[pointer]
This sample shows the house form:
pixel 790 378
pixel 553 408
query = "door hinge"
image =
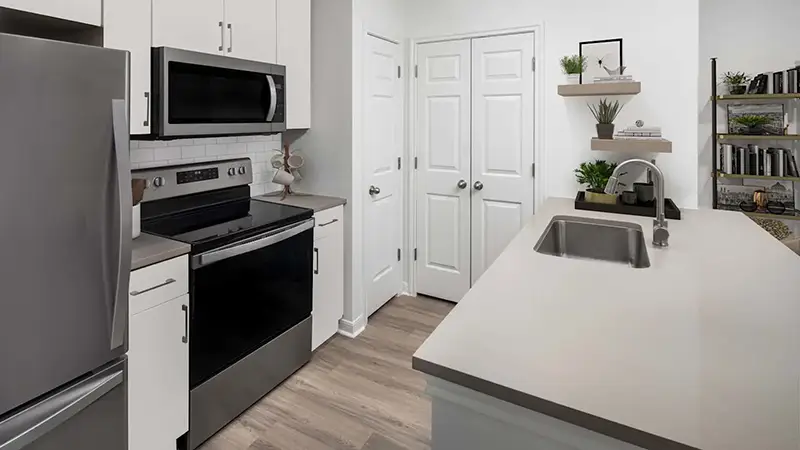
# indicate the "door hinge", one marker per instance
pixel 416 71
pixel 415 254
pixel 399 164
pixel 533 64
pixel 533 169
pixel 399 72
pixel 398 254
pixel 415 163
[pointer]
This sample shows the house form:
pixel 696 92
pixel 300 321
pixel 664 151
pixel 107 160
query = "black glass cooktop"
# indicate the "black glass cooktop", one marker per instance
pixel 220 224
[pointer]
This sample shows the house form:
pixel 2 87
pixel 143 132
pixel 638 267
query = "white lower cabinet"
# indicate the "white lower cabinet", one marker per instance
pixel 158 356
pixel 328 275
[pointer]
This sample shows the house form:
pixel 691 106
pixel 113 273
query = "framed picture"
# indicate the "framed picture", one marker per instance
pixel 771 116
pixel 599 54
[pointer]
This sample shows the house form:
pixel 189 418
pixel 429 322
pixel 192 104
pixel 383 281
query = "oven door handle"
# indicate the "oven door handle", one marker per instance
pixel 251 245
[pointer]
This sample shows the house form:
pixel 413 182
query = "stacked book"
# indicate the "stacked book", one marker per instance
pixel 759 161
pixel 614 79
pixel 639 133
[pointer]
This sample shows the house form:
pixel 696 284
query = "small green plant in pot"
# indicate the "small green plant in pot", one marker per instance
pixel 605 113
pixel 736 82
pixel 595 176
pixel 752 124
pixel 573 66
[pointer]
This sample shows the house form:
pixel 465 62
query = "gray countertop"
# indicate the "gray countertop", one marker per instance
pixel 149 250
pixel 701 350
pixel 316 202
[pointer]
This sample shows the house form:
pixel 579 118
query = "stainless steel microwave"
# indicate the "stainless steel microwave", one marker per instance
pixel 197 94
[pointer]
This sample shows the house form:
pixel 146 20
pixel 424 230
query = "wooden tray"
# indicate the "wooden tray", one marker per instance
pixel 671 210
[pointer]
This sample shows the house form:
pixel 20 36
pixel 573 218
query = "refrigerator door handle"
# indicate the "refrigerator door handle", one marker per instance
pixel 119 317
pixel 26 427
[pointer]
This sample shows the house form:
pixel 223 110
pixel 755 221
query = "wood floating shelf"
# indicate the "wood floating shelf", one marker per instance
pixel 759 97
pixel 594 89
pixel 632 145
pixel 748 137
pixel 755 177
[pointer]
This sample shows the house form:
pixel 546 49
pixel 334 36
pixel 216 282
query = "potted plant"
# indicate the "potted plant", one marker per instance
pixel 605 113
pixel 736 82
pixel 595 176
pixel 573 66
pixel 753 124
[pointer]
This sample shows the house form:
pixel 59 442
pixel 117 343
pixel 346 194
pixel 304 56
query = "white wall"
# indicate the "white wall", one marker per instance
pixel 724 26
pixel 660 49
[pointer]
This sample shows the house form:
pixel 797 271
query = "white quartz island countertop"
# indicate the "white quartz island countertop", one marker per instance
pixel 701 350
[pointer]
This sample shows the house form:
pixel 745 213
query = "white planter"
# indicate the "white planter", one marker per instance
pixel 573 78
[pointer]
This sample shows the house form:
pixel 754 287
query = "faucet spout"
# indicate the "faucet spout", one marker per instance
pixel 660 226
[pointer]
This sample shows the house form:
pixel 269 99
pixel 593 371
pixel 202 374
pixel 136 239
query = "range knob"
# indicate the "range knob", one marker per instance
pixel 158 182
pixel 232 171
pixel 242 170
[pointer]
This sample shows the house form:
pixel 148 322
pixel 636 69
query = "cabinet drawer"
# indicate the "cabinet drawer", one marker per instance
pixel 327 221
pixel 158 283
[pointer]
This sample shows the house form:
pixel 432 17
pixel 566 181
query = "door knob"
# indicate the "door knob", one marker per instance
pixel 462 184
pixel 374 190
pixel 478 186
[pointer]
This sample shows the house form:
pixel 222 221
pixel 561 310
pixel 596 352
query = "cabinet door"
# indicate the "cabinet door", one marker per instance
pixel 328 284
pixel 83 11
pixel 251 30
pixel 158 399
pixel 195 25
pixel 127 26
pixel 294 52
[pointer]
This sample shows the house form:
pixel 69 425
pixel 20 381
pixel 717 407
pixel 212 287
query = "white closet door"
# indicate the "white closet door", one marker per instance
pixel 383 210
pixel 502 143
pixel 443 150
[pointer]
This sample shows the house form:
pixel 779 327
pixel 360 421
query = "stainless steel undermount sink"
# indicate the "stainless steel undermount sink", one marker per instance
pixel 595 239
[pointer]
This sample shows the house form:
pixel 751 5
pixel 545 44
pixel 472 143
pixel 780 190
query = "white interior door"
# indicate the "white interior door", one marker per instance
pixel 383 145
pixel 502 143
pixel 444 173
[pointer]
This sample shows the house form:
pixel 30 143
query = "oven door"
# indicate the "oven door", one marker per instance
pixel 246 294
pixel 197 94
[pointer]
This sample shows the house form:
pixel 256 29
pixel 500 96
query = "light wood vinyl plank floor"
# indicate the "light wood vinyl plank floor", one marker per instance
pixel 355 394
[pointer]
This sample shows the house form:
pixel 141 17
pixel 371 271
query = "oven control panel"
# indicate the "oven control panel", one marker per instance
pixel 193 176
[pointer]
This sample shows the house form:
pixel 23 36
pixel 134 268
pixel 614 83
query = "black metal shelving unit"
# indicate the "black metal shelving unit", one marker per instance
pixel 717 138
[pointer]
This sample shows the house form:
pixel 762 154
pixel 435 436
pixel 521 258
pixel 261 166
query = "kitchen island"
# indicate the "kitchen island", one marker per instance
pixel 699 351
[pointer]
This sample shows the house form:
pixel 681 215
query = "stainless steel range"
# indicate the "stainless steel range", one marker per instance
pixel 250 285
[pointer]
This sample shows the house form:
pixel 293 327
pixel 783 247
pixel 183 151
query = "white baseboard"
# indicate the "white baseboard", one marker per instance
pixel 354 328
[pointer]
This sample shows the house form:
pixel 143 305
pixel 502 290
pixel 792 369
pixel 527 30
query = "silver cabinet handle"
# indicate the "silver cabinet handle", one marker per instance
pixel 462 184
pixel 478 186
pixel 316 267
pixel 221 37
pixel 166 282
pixel 230 42
pixel 147 117
pixel 185 310
pixel 328 223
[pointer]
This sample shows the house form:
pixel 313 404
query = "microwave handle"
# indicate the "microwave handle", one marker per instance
pixel 273 98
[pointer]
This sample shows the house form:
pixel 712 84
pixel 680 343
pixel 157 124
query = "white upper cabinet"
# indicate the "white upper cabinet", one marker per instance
pixel 250 30
pixel 294 52
pixel 196 25
pixel 84 11
pixel 127 26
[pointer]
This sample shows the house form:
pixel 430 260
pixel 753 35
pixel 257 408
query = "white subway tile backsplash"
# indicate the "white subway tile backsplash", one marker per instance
pixel 139 155
pixel 194 151
pixel 179 143
pixel 237 149
pixel 205 141
pixel 226 140
pixel 167 153
pixel 150 144
pixel 134 144
pixel 216 149
pixel 254 147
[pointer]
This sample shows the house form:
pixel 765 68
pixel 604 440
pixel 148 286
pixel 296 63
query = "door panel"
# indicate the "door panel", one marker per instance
pixel 251 30
pixel 195 25
pixel 502 143
pixel 443 150
pixel 59 290
pixel 383 127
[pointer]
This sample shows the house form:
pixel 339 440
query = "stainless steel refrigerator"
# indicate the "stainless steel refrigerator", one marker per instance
pixel 65 239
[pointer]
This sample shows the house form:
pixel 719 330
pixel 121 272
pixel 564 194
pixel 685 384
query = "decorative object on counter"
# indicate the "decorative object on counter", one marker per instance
pixel 671 210
pixel 758 85
pixel 138 186
pixel 645 193
pixel 573 66
pixel 287 165
pixel 776 228
pixel 736 82
pixel 742 119
pixel 595 176
pixel 600 54
pixel 605 113
pixel 629 197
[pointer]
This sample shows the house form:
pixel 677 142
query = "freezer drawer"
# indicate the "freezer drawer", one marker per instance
pixel 88 415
